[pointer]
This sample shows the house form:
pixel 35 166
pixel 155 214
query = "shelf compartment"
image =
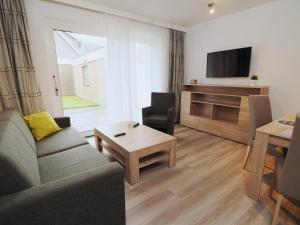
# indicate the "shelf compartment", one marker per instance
pixel 201 109
pixel 225 114
pixel 222 100
pixel 209 93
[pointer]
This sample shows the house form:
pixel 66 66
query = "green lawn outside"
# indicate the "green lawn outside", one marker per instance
pixel 70 102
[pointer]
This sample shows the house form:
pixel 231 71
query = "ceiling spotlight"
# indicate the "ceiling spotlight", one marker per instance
pixel 211 7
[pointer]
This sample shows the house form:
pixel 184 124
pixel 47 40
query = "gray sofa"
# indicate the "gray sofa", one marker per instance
pixel 61 180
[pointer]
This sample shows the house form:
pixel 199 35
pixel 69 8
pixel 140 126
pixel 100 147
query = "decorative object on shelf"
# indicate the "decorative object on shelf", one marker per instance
pixel 193 81
pixel 253 80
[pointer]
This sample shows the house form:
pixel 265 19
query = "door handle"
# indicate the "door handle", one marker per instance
pixel 55 85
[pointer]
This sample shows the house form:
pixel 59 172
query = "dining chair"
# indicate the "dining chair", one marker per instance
pixel 287 182
pixel 260 115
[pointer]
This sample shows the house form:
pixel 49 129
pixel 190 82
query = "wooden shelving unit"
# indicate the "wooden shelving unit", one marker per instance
pixel 218 109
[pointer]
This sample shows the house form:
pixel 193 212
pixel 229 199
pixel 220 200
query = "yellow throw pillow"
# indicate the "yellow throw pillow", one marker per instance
pixel 42 125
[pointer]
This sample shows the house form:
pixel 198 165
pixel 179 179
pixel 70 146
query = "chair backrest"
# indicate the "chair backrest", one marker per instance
pixel 161 102
pixel 18 163
pixel 290 181
pixel 260 113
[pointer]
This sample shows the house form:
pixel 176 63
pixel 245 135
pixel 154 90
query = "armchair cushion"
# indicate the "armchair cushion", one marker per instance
pixel 156 119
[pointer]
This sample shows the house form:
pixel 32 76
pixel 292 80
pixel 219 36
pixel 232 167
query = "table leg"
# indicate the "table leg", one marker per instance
pixel 98 142
pixel 172 154
pixel 257 165
pixel 132 170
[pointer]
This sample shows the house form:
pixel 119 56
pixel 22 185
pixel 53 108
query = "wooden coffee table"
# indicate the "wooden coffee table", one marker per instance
pixel 140 147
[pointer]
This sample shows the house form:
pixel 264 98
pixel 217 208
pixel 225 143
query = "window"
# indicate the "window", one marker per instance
pixel 85 76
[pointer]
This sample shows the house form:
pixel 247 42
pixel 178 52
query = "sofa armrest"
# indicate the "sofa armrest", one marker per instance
pixel 63 122
pixel 93 197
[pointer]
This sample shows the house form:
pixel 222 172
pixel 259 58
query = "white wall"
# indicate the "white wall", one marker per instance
pixel 65 72
pixel 95 90
pixel 273 31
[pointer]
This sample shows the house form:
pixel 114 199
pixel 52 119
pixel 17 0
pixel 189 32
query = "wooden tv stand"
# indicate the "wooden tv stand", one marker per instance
pixel 218 109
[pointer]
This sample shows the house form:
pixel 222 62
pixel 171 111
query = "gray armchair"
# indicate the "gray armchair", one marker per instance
pixel 161 114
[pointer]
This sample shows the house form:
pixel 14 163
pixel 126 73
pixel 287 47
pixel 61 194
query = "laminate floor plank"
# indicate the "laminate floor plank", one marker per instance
pixel 207 187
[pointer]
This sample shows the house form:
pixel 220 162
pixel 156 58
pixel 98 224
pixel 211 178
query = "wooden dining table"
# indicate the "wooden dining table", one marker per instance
pixel 277 133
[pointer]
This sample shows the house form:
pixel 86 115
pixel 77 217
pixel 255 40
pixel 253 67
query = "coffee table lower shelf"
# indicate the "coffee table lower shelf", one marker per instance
pixel 143 162
pixel 133 161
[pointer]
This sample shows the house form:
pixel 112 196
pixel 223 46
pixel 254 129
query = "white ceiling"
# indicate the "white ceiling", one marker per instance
pixel 180 12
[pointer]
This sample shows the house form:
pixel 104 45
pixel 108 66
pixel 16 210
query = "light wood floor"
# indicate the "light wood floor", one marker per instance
pixel 206 187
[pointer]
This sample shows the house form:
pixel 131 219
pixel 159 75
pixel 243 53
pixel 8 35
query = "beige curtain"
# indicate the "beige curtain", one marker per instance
pixel 19 88
pixel 176 67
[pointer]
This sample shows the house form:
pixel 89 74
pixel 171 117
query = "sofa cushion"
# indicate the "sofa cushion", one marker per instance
pixel 157 119
pixel 65 139
pixel 18 163
pixel 70 162
pixel 15 117
pixel 42 125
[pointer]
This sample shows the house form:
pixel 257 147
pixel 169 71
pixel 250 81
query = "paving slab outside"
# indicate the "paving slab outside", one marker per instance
pixel 85 114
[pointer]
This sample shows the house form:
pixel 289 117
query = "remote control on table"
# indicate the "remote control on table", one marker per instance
pixel 119 134
pixel 136 125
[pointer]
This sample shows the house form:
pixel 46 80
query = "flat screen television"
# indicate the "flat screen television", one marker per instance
pixel 230 63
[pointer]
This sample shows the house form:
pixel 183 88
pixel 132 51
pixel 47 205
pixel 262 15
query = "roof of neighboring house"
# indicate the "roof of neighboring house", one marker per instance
pixel 73 45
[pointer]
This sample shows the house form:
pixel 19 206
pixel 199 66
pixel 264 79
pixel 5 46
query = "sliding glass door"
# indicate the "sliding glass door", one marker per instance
pixel 80 62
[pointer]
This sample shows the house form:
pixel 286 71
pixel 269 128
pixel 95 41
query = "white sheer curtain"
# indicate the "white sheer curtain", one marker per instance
pixel 136 65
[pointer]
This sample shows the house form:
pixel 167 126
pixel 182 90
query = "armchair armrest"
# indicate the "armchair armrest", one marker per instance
pixel 147 111
pixel 171 114
pixel 63 122
pixel 93 197
pixel 171 120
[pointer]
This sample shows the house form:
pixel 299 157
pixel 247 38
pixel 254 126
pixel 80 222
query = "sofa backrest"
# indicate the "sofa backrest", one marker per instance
pixel 15 117
pixel 18 163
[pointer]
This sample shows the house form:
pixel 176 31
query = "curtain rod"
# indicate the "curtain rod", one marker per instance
pixel 114 12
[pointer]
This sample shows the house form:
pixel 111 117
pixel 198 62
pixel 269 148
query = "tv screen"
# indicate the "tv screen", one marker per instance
pixel 230 63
